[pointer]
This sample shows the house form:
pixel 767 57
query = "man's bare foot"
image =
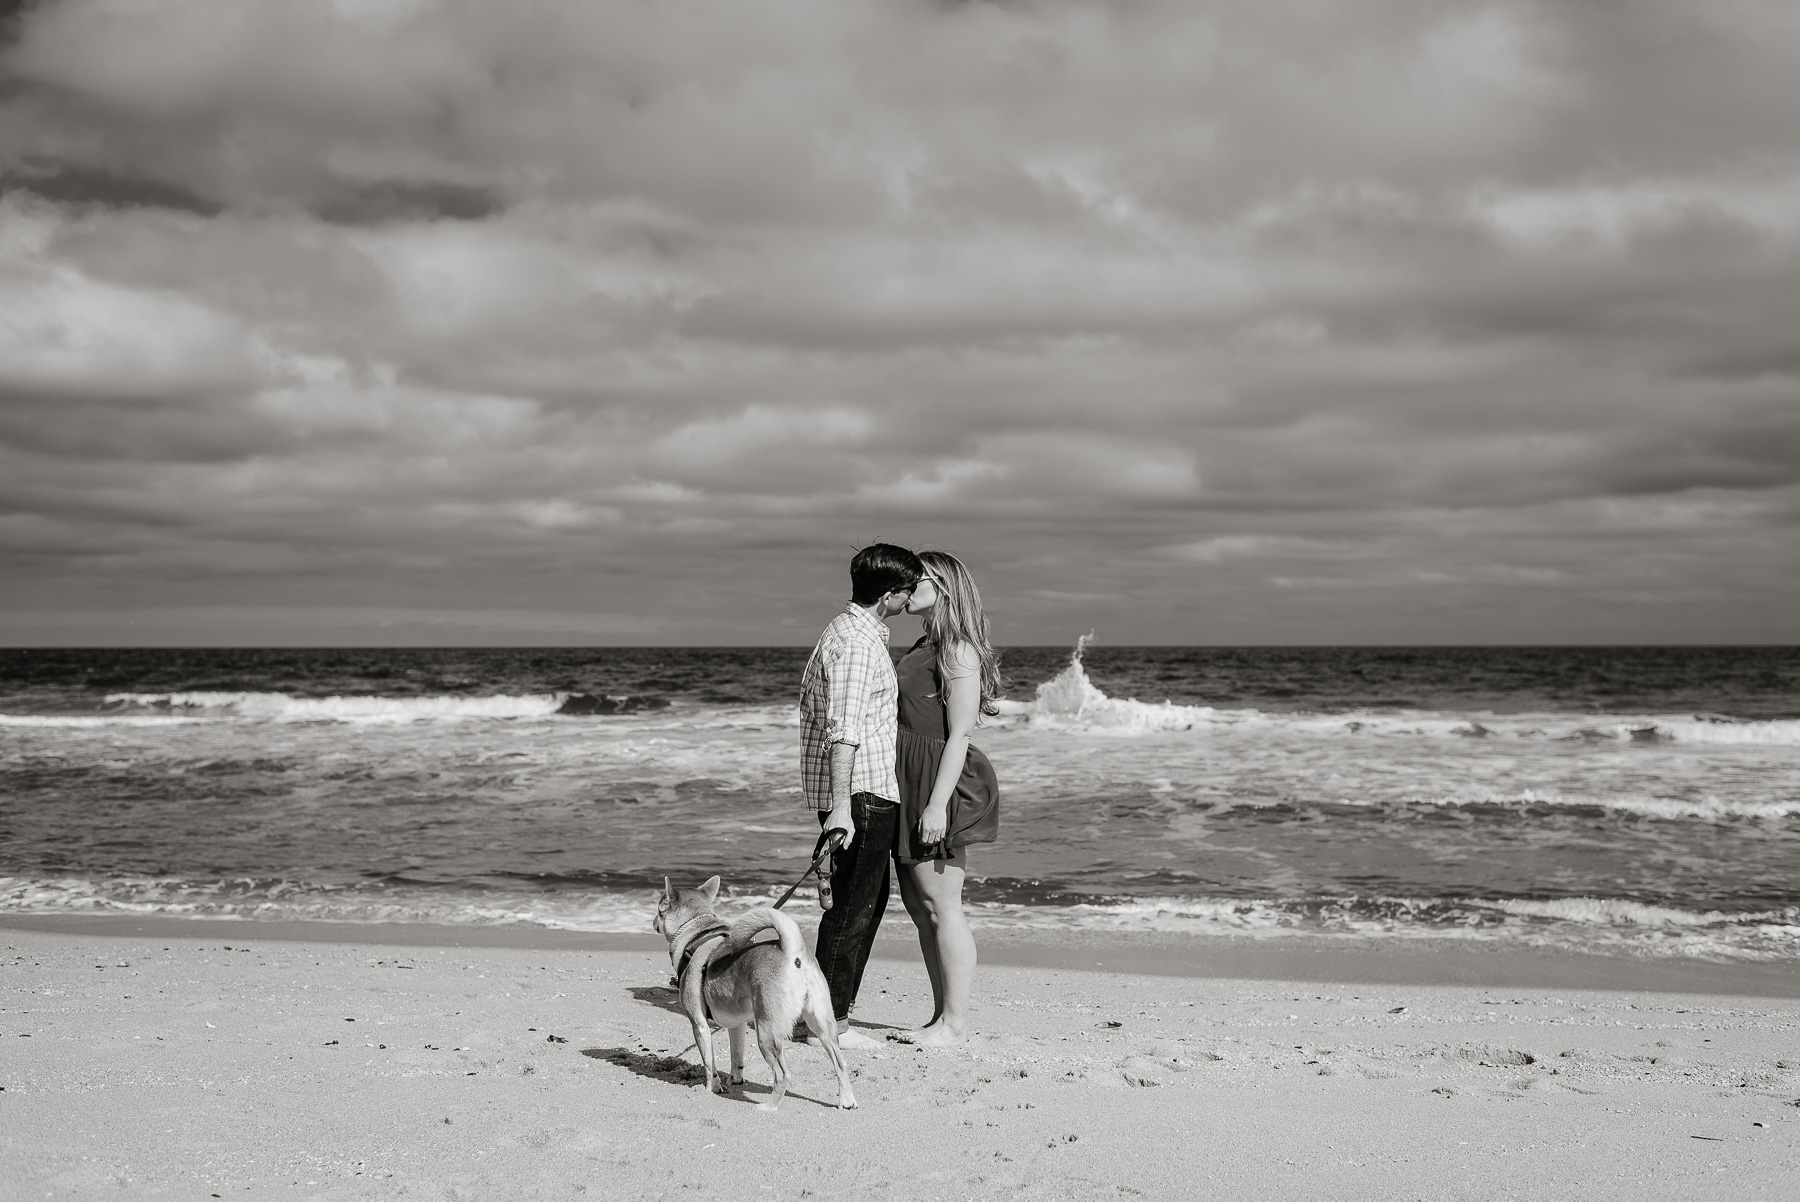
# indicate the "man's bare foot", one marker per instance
pixel 937 1035
pixel 852 1038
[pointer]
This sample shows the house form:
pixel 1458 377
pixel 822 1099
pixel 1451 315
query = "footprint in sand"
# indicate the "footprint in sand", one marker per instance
pixel 1376 1072
pixel 1491 1057
pixel 1182 1058
pixel 1154 1067
pixel 1142 1072
pixel 1564 1085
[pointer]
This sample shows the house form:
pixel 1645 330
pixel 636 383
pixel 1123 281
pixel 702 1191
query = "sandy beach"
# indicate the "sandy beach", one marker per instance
pixel 228 1061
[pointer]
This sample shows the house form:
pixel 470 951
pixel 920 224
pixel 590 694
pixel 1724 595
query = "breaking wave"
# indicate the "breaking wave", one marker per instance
pixel 281 707
pixel 77 721
pixel 1725 730
pixel 1071 702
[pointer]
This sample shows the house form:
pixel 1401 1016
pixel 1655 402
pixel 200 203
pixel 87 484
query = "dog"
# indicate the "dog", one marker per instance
pixel 727 978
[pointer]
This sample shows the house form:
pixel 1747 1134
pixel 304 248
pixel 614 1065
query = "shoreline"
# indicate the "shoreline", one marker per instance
pixel 1298 958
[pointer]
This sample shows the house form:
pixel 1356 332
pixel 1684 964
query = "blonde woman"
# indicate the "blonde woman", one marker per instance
pixel 949 798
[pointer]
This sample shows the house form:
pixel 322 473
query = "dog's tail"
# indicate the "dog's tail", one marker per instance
pixel 753 923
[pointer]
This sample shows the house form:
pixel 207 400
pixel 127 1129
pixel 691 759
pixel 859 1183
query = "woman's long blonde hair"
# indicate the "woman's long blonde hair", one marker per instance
pixel 959 618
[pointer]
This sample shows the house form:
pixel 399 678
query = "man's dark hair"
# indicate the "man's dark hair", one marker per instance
pixel 880 568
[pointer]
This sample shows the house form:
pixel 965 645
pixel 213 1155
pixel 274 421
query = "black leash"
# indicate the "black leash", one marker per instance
pixel 829 842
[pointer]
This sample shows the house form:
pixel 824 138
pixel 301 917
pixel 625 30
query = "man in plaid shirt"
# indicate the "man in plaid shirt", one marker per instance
pixel 848 726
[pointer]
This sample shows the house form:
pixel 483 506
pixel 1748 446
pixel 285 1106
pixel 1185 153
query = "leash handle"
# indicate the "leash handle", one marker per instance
pixel 829 842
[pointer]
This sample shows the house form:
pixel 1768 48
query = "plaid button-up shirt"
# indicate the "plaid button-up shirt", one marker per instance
pixel 849 695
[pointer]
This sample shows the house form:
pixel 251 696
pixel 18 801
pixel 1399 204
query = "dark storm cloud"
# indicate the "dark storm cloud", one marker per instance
pixel 82 185
pixel 1279 322
pixel 378 201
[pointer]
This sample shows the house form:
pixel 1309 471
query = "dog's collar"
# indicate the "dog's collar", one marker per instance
pixel 690 944
pixel 675 937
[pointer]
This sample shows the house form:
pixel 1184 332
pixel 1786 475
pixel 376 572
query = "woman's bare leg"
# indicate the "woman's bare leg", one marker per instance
pixel 921 917
pixel 939 885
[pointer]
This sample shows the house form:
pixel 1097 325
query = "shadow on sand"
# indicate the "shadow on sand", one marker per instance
pixel 672 1070
pixel 660 996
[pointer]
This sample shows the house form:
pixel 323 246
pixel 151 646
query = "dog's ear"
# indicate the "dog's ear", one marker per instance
pixel 668 890
pixel 711 888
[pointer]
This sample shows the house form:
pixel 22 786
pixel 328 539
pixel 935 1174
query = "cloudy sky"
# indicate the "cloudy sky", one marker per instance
pixel 576 321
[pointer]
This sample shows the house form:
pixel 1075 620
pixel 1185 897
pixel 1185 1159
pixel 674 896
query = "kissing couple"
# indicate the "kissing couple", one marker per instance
pixel 886 759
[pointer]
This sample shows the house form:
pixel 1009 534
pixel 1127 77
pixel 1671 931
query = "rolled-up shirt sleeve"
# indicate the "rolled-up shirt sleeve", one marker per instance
pixel 848 676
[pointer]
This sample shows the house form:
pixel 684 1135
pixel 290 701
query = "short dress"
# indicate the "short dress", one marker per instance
pixel 974 815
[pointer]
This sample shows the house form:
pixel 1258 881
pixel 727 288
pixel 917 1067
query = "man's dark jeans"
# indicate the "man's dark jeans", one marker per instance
pixel 859 895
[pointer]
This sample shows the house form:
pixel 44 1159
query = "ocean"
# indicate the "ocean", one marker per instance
pixel 1625 801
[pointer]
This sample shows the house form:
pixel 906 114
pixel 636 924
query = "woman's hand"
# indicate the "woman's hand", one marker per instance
pixel 933 821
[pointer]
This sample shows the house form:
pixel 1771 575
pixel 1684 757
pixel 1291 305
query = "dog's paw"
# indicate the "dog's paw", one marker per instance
pixel 768 1106
pixel 719 1083
pixel 846 1101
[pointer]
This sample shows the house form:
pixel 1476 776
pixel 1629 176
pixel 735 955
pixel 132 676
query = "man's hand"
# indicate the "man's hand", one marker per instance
pixel 839 820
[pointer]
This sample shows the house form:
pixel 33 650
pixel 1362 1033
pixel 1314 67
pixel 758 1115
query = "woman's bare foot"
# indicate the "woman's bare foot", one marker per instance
pixel 937 1035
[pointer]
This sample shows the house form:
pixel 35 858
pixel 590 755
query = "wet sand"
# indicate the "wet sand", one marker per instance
pixel 251 1061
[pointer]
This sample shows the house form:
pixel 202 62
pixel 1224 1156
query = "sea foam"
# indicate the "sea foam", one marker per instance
pixel 281 707
pixel 1598 924
pixel 79 721
pixel 1647 805
pixel 1776 731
